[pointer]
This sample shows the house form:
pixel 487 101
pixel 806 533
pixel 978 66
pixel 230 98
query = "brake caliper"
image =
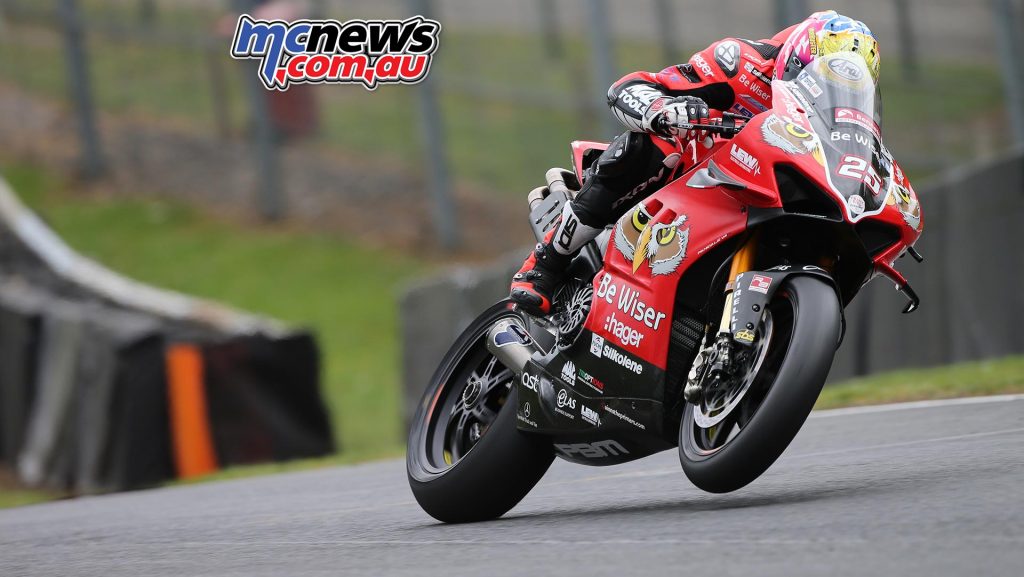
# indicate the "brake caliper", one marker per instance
pixel 715 366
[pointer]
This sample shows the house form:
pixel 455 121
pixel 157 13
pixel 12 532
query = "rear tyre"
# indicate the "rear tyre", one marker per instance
pixel 804 320
pixel 466 459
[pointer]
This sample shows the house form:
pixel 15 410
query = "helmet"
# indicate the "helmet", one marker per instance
pixel 821 34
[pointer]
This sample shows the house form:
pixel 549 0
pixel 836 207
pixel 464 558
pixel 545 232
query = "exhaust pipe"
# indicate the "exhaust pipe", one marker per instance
pixel 511 344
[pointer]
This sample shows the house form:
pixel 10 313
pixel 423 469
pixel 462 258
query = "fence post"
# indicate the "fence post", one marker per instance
pixel 435 147
pixel 908 44
pixel 212 55
pixel 554 48
pixel 147 12
pixel 318 10
pixel 271 198
pixel 92 164
pixel 790 12
pixel 602 63
pixel 1007 23
pixel 665 15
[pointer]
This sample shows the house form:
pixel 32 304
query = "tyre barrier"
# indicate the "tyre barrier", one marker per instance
pixel 107 384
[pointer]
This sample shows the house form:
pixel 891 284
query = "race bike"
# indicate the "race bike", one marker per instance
pixel 706 319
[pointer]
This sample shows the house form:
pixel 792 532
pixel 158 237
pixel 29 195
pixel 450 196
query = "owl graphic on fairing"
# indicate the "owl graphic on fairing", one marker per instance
pixel 907 204
pixel 662 245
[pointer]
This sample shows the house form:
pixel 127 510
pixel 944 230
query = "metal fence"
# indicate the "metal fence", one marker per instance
pixel 145 90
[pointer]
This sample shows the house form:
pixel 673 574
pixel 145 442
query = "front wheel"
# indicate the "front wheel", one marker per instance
pixel 466 459
pixel 735 435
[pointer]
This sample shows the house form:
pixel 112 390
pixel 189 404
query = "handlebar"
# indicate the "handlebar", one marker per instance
pixel 727 127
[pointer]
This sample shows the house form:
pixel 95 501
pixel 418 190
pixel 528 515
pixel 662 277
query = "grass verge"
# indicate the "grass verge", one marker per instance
pixel 989 377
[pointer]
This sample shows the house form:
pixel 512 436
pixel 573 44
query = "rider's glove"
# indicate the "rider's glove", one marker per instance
pixel 668 116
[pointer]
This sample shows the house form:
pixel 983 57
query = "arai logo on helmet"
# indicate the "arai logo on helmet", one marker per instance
pixel 846 69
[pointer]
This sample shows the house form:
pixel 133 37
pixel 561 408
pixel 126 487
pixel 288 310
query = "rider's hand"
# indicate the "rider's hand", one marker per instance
pixel 670 116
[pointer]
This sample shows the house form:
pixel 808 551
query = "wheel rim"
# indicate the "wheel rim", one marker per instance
pixel 474 389
pixel 738 409
pixel 719 403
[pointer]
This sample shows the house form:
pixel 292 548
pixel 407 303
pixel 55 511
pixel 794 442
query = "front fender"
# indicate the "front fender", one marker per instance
pixel 754 289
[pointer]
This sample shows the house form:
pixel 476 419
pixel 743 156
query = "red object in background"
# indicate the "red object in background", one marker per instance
pixel 293 112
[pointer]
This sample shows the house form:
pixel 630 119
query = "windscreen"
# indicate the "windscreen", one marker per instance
pixel 846 113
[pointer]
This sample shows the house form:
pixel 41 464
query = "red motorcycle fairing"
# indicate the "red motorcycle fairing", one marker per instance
pixel 654 244
pixel 649 250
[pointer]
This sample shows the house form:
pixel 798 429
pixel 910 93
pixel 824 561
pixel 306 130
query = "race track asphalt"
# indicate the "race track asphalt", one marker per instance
pixel 930 490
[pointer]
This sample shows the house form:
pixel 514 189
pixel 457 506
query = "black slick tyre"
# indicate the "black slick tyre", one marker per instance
pixel 806 316
pixel 466 460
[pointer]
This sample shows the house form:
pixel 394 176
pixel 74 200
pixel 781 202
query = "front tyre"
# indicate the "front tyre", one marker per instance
pixel 466 459
pixel 803 327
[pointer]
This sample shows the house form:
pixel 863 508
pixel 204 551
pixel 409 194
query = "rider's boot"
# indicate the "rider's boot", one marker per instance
pixel 630 168
pixel 542 273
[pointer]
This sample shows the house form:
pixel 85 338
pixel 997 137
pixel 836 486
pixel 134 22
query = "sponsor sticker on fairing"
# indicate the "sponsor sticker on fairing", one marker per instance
pixel 622 359
pixel 746 160
pixel 760 283
pixel 856 117
pixel 625 418
pixel 564 403
pixel 569 372
pixel 591 381
pixel 811 85
pixel 856 203
pixel 367 52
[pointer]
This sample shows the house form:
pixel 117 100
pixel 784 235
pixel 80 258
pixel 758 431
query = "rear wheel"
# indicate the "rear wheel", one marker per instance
pixel 738 432
pixel 466 459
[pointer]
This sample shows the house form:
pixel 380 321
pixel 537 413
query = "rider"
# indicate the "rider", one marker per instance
pixel 731 75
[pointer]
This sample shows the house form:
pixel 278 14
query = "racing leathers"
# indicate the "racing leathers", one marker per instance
pixel 731 75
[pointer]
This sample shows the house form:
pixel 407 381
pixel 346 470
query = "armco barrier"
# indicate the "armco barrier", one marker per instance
pixel 972 304
pixel 94 395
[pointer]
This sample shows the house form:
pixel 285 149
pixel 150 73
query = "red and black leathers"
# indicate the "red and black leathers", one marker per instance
pixel 731 75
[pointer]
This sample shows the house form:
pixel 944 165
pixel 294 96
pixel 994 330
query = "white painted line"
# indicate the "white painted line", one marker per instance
pixel 914 405
pixel 503 542
pixel 904 444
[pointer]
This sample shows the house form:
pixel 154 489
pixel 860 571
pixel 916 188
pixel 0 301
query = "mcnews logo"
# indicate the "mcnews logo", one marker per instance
pixel 368 52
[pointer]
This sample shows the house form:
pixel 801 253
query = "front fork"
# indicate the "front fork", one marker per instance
pixel 715 362
pixel 742 261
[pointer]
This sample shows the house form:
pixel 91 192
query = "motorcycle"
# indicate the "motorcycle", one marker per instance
pixel 706 319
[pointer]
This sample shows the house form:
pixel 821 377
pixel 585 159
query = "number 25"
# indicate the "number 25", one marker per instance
pixel 857 168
